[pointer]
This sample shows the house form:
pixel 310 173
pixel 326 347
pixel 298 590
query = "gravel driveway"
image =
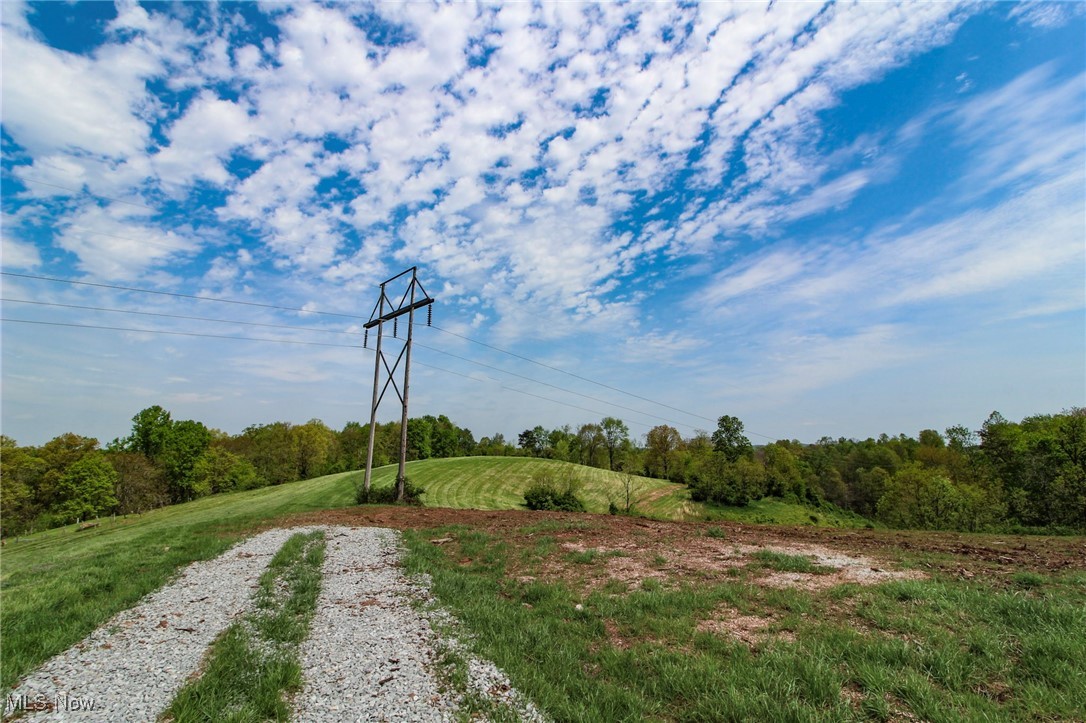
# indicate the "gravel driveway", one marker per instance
pixel 370 655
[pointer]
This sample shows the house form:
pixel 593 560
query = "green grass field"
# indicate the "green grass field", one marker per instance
pixel 942 649
pixel 58 586
pixel 945 648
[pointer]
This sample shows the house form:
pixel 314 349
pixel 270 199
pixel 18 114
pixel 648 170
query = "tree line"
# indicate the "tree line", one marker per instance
pixel 167 461
pixel 1005 475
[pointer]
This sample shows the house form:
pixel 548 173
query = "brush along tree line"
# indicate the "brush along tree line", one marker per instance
pixel 1005 476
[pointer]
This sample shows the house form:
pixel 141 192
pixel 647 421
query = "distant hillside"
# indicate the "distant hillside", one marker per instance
pixel 499 483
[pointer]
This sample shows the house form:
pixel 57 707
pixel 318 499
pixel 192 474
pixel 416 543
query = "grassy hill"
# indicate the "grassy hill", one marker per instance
pixel 59 585
pixel 991 635
pixel 499 483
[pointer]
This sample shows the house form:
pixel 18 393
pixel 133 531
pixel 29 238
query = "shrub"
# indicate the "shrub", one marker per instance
pixel 547 492
pixel 412 494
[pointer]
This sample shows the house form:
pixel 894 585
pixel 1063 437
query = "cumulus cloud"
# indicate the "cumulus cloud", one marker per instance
pixel 59 101
pixel 543 157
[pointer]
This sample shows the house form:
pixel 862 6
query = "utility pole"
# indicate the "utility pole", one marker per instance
pixel 386 310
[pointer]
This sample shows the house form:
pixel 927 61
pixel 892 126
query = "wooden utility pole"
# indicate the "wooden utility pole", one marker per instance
pixel 407 304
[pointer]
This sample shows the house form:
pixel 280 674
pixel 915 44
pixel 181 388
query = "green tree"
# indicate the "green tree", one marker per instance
pixel 729 440
pixel 313 443
pixel 270 449
pixel 561 444
pixel 420 436
pixel 662 444
pixel 59 454
pixel 150 431
pixel 592 445
pixel 932 451
pixel 716 479
pixel 445 437
pixel 465 442
pixel 86 489
pixel 868 489
pixel 186 441
pixel 533 441
pixel 918 497
pixel 218 470
pixel 784 474
pixel 495 446
pixel 20 472
pixel 351 446
pixel 141 484
pixel 615 435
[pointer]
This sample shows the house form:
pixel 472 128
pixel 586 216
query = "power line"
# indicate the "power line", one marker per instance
pixel 178 295
pixel 284 341
pixel 571 374
pixel 179 316
pixel 178 333
pixel 445 331
pixel 304 343
pixel 351 316
pixel 554 386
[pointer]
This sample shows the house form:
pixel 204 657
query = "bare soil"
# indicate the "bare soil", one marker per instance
pixel 618 553
pixel 636 548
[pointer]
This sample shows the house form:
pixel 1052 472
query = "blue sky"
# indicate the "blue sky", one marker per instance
pixel 832 220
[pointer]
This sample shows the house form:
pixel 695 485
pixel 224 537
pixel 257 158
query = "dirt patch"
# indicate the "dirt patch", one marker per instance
pixel 675 551
pixel 752 630
pixel 846 568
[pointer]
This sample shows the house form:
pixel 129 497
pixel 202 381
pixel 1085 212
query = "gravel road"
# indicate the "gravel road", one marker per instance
pixel 370 656
pixel 130 668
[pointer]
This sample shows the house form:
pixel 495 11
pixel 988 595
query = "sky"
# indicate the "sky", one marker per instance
pixel 826 220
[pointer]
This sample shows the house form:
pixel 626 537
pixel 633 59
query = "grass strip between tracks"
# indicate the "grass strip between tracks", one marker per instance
pixel 253 667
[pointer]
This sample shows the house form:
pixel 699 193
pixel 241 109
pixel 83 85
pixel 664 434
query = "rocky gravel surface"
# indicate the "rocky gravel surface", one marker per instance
pixel 372 652
pixel 368 656
pixel 131 667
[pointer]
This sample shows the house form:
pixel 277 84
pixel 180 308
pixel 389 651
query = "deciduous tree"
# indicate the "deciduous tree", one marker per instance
pixel 615 434
pixel 729 440
pixel 662 443
pixel 86 489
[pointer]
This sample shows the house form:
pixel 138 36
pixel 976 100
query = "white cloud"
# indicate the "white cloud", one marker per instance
pixel 800 363
pixel 18 254
pixel 1040 232
pixel 1045 15
pixel 764 273
pixel 505 182
pixel 200 140
pixel 1027 131
pixel 57 101
pixel 109 245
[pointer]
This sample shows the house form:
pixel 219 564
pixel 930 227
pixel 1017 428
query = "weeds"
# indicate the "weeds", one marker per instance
pixel 782 562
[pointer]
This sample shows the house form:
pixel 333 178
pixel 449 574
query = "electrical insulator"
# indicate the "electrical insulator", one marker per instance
pixel 396 328
pixel 430 315
pixel 366 339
